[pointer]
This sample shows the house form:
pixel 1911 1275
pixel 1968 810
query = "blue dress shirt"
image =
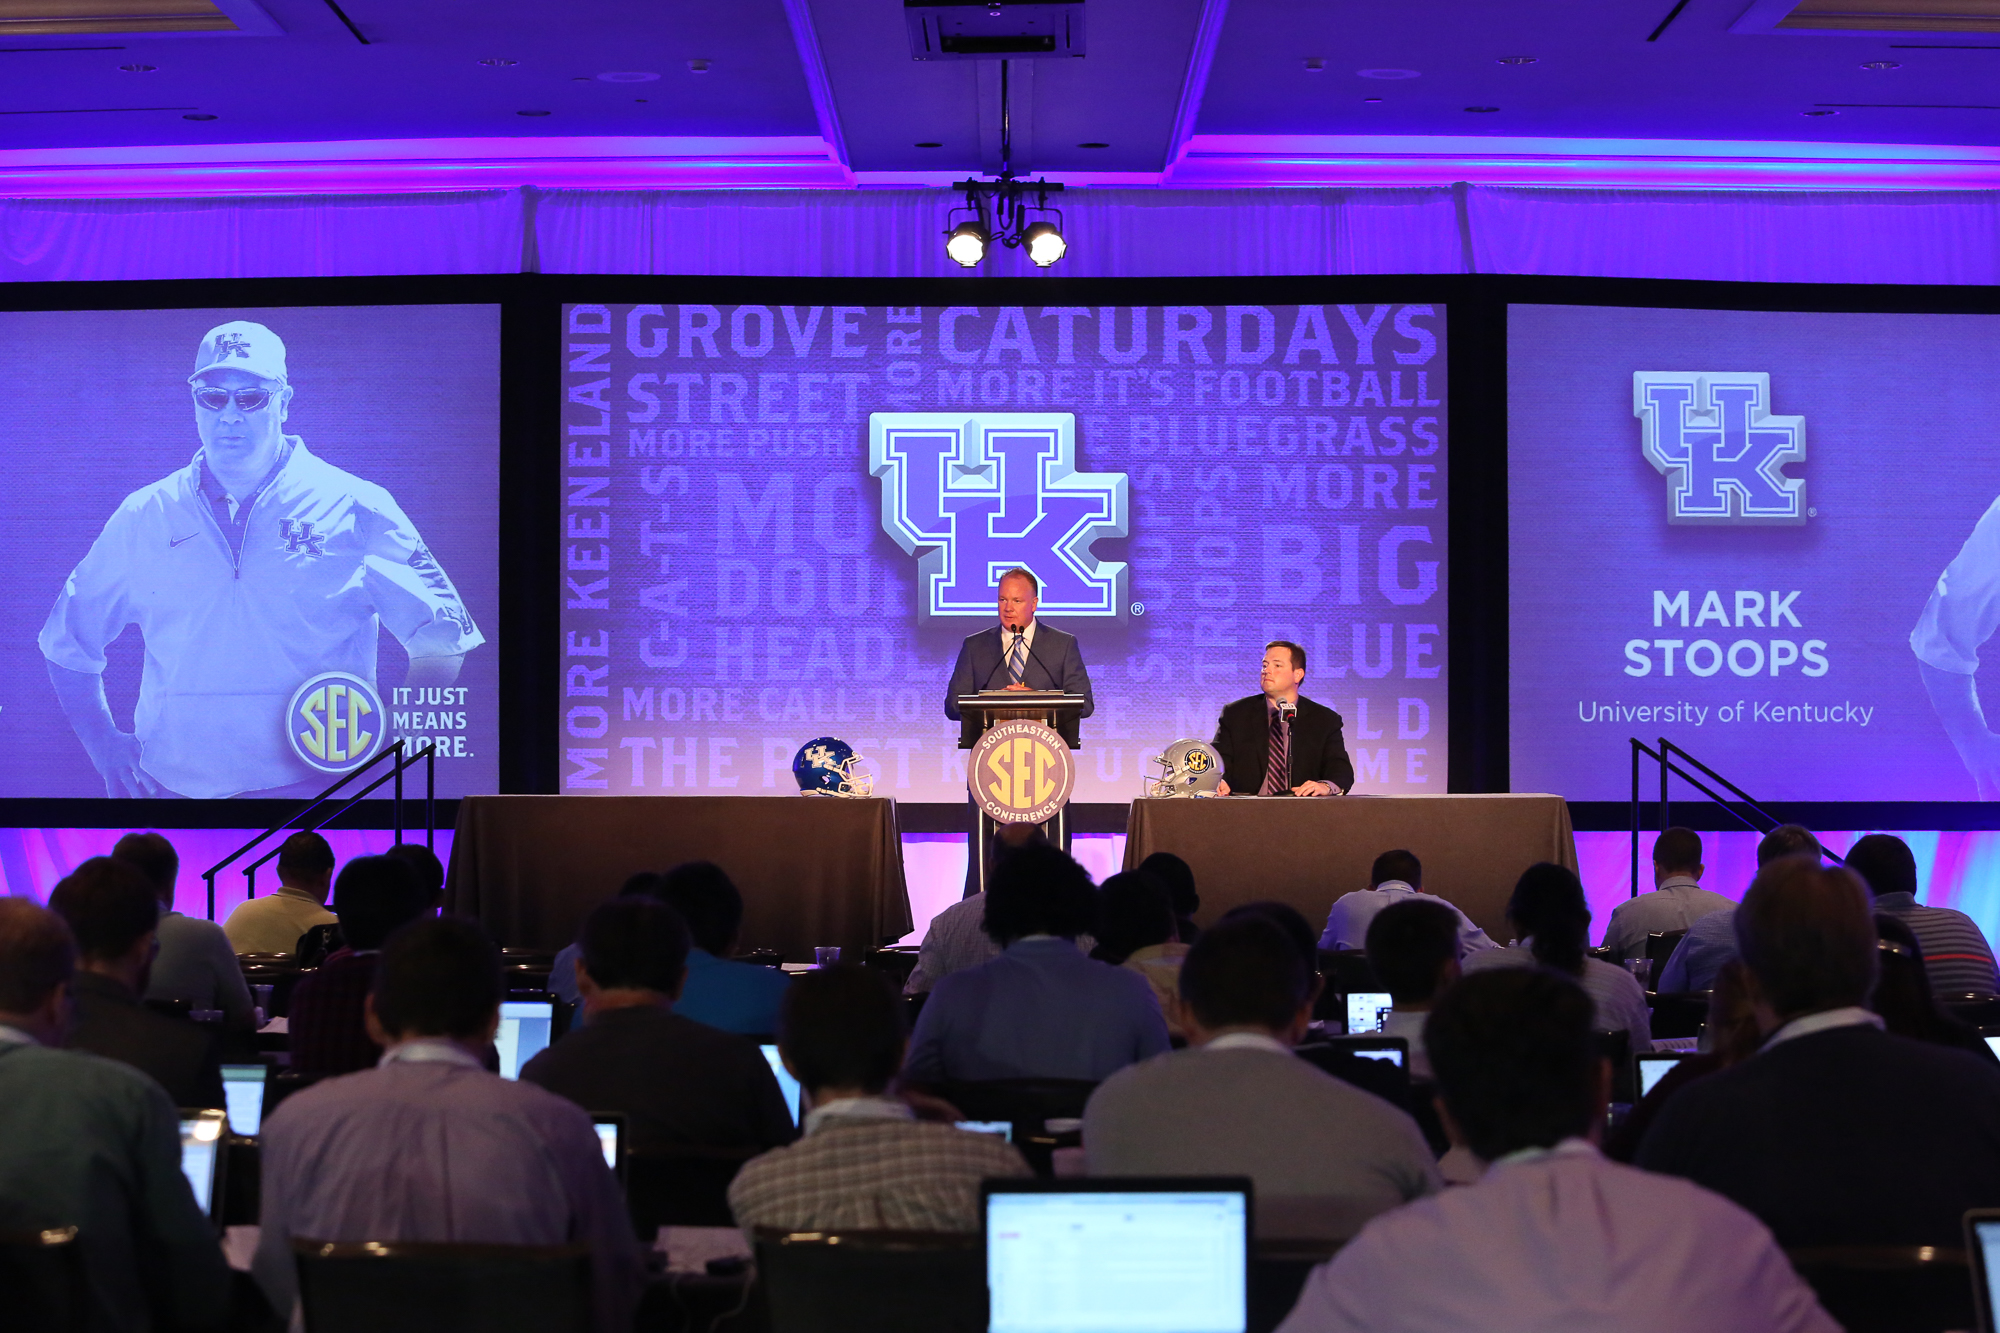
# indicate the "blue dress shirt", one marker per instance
pixel 736 997
pixel 1039 1010
pixel 1698 959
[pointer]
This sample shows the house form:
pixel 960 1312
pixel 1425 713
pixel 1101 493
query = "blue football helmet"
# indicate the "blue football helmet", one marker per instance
pixel 828 766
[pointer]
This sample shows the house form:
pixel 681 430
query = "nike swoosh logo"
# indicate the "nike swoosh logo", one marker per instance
pixel 176 541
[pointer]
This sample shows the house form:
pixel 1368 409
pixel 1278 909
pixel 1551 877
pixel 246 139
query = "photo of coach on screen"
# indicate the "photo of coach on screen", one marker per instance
pixel 250 571
pixel 1020 653
pixel 1278 743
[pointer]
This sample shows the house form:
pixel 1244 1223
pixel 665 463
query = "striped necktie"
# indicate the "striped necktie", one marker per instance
pixel 1278 762
pixel 1017 657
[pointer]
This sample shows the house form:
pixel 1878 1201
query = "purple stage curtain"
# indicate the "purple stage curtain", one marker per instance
pixel 308 236
pixel 1855 236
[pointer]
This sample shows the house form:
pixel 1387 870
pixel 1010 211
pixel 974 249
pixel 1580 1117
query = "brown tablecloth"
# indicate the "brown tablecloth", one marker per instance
pixel 1309 852
pixel 813 870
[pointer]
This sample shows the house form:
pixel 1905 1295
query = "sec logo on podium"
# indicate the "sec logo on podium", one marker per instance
pixel 1020 773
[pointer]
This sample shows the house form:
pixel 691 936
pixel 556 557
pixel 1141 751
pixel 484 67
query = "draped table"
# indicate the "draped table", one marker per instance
pixel 1307 852
pixel 813 870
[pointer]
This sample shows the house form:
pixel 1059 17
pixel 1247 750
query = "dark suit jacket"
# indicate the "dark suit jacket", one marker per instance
pixel 180 1056
pixel 1243 737
pixel 1053 664
pixel 1846 1137
pixel 679 1083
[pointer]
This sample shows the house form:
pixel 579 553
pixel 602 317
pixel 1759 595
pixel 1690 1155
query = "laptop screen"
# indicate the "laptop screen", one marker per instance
pixel 608 1132
pixel 1986 1236
pixel 1162 1260
pixel 1365 1009
pixel 786 1083
pixel 243 1091
pixel 524 1033
pixel 201 1150
pixel 1653 1068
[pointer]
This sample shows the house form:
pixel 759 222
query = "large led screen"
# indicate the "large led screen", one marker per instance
pixel 1768 537
pixel 246 549
pixel 752 561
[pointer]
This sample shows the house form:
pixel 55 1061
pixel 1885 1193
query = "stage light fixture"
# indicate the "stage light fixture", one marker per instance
pixel 1045 245
pixel 967 244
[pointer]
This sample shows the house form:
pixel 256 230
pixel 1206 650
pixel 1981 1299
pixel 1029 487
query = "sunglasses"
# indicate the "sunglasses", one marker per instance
pixel 247 400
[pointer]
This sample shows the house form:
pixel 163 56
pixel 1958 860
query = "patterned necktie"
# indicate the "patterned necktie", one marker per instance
pixel 1278 762
pixel 1016 659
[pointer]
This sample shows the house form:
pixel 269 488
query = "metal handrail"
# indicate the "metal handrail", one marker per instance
pixel 1663 756
pixel 402 760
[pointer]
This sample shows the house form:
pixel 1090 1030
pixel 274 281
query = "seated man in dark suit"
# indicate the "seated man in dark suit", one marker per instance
pixel 1277 743
pixel 94 1144
pixel 373 896
pixel 1020 653
pixel 1835 1132
pixel 679 1083
pixel 111 909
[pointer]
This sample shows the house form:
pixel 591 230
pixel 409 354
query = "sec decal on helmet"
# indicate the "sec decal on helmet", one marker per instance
pixel 828 766
pixel 1187 768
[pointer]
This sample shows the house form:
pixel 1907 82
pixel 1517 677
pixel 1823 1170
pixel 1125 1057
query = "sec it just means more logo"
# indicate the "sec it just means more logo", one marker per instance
pixel 1712 435
pixel 982 494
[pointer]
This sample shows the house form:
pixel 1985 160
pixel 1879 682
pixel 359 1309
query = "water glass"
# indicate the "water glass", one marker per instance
pixel 1641 969
pixel 826 955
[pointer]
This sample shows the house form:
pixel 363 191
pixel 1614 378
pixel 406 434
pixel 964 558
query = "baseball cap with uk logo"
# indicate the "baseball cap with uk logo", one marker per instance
pixel 241 345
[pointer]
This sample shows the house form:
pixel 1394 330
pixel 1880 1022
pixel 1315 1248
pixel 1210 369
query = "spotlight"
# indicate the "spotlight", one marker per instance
pixel 967 244
pixel 1044 243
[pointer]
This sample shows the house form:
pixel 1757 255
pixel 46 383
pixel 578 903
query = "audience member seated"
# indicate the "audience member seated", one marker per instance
pixel 1553 1236
pixel 1552 918
pixel 678 1082
pixel 1136 930
pixel 956 937
pixel 723 993
pixel 1836 1132
pixel 1729 1037
pixel 196 962
pixel 562 974
pixel 1413 947
pixel 1956 955
pixel 1903 997
pixel 1711 941
pixel 112 911
pixel 273 923
pixel 1676 902
pixel 865 1161
pixel 1178 876
pixel 430 1146
pixel 329 1035
pixel 1395 877
pixel 430 870
pixel 1041 1009
pixel 91 1143
pixel 1325 1157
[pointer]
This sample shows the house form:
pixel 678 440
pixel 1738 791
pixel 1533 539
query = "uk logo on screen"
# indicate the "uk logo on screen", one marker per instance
pixel 1721 449
pixel 980 495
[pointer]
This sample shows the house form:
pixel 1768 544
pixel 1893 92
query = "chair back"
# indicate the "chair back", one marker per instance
pixel 42 1274
pixel 1679 1013
pixel 872 1281
pixel 898 960
pixel 1029 1104
pixel 317 942
pixel 1348 970
pixel 1617 1048
pixel 1660 946
pixel 681 1187
pixel 1974 1007
pixel 426 1287
pixel 284 1083
pixel 279 971
pixel 1890 1288
pixel 1277 1274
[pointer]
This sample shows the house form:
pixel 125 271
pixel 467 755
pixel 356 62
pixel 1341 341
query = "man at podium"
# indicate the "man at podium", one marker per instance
pixel 1020 653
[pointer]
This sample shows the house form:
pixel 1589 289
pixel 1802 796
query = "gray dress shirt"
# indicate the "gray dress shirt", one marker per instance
pixel 430 1147
pixel 1677 904
pixel 198 964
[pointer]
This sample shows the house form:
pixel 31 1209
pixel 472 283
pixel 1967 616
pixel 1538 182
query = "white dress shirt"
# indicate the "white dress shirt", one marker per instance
pixel 1676 904
pixel 1410 1027
pixel 1849 1016
pixel 1347 922
pixel 1561 1239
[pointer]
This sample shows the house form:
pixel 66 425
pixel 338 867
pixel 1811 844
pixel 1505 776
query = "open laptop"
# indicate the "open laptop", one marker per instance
pixel 1652 1066
pixel 1133 1255
pixel 201 1156
pixel 786 1083
pixel 1982 1247
pixel 610 1129
pixel 243 1093
pixel 1365 1009
pixel 525 1029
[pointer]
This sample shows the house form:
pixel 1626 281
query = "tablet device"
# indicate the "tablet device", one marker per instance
pixel 1982 1249
pixel 243 1093
pixel 525 1026
pixel 1365 1010
pixel 611 1138
pixel 786 1083
pixel 201 1155
pixel 1130 1255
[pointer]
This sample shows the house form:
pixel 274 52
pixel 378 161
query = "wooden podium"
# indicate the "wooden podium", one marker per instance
pixel 978 714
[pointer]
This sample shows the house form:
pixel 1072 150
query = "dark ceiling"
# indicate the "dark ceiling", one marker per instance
pixel 1150 79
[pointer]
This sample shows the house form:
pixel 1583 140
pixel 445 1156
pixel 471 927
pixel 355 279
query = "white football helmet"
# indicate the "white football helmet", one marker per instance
pixel 1187 768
